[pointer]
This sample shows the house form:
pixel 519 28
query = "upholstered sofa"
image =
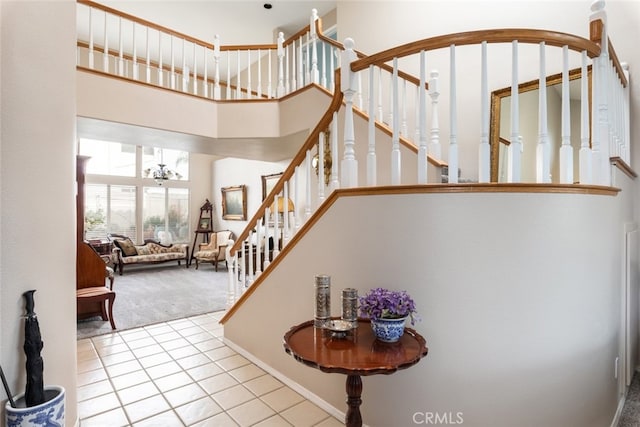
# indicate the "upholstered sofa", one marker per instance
pixel 151 252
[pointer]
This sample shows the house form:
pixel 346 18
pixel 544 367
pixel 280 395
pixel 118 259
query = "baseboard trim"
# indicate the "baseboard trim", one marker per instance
pixel 314 398
pixel 616 418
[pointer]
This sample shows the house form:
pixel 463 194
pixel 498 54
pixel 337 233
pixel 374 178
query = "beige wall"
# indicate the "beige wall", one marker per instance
pixel 37 181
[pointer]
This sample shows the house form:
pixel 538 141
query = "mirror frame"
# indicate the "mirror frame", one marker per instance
pixel 496 102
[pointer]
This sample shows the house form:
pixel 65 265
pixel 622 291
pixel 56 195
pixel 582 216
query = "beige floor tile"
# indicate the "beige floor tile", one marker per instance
pixel 263 385
pixel 209 344
pixel 88 354
pixel 123 368
pixel 142 342
pixel 163 370
pixel 179 353
pixel 106 340
pixel 232 396
pixel 274 421
pixel 92 390
pixel 137 392
pixel 204 371
pixel 220 353
pixel 251 412
pixel 173 381
pixel 98 405
pixel 165 419
pixel 198 410
pixel 220 420
pixel 233 362
pixel 130 379
pixel 304 414
pixel 134 335
pixel 175 343
pixel 282 398
pixel 112 349
pixel 330 422
pixel 146 408
pixel 246 373
pixel 158 329
pixel 149 350
pixel 199 337
pixel 192 330
pixel 89 365
pixel 185 394
pixel 180 324
pixel 154 360
pixel 83 345
pixel 113 359
pixel 166 336
pixel 193 361
pixel 113 418
pixel 89 377
pixel 218 383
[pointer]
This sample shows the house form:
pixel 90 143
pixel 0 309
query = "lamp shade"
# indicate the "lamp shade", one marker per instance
pixel 281 205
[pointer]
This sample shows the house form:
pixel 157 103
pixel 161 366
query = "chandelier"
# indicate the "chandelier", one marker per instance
pixel 161 173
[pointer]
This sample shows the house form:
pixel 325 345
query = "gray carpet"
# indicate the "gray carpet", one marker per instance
pixel 630 416
pixel 147 295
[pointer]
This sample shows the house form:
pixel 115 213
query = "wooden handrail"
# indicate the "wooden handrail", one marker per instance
pixel 596 32
pixel 311 140
pixel 551 38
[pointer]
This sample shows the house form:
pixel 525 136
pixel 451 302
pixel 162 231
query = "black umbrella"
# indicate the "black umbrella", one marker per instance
pixel 34 393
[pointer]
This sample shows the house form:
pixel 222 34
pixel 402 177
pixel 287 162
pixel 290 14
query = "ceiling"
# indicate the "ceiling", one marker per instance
pixel 236 22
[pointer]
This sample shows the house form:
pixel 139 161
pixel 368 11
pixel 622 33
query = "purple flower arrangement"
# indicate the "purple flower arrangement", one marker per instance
pixel 380 303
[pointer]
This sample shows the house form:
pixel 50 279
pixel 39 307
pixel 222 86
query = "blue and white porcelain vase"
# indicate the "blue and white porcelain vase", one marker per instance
pixel 388 330
pixel 50 413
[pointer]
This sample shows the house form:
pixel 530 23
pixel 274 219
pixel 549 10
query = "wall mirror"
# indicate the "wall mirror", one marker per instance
pixel 500 133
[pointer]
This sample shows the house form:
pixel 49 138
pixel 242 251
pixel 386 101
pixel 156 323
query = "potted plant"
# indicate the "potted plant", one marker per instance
pixel 388 311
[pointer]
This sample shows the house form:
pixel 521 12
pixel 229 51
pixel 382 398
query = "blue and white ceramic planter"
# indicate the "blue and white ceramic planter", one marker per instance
pixel 47 414
pixel 388 330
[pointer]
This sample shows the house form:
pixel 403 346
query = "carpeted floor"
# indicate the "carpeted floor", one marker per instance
pixel 631 412
pixel 147 295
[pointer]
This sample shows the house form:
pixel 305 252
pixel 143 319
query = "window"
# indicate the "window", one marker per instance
pixel 109 209
pixel 109 158
pixel 165 214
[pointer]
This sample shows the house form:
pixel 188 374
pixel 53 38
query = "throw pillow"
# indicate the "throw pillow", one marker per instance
pixel 126 246
pixel 142 250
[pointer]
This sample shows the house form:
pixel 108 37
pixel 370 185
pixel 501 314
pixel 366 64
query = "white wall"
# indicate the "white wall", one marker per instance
pixel 37 182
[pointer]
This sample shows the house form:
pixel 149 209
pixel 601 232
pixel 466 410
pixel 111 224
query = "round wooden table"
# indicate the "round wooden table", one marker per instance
pixel 355 355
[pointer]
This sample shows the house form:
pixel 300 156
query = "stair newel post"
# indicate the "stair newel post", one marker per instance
pixel 120 49
pixel 307 206
pixel 422 121
pixel 320 174
pixel 435 147
pixel 453 120
pixel 515 148
pixel 335 182
pixel 349 165
pixel 105 54
pixel 233 274
pixel 396 160
pixel 280 89
pixel 315 75
pixel 91 53
pixel 148 57
pixel 160 64
pixel 135 52
pixel 216 67
pixel 371 153
pixel 267 235
pixel 259 75
pixel 585 150
pixel 484 152
pixel 543 151
pixel 249 88
pixel 566 151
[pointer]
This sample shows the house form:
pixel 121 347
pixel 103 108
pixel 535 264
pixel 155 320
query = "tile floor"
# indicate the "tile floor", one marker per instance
pixel 180 373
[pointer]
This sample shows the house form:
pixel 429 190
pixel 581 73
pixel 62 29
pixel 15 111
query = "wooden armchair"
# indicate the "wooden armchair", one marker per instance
pixel 216 250
pixel 93 297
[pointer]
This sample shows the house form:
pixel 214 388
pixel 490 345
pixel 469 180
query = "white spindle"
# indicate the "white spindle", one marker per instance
pixel 205 79
pixel 332 69
pixel 287 83
pixel 91 53
pixel 160 63
pixel 349 166
pixel 185 69
pixel 285 215
pixel 315 76
pixel 269 86
pixel 238 84
pixel 392 112
pixel 335 183
pixel 371 153
pixel 135 52
pixel 148 56
pixel 259 75
pixel 296 217
pixel 435 148
pixel 543 150
pixel 276 227
pixel 395 138
pixel 228 91
pixel 249 260
pixel 403 126
pixel 267 259
pixel 307 70
pixel 173 66
pixel 294 65
pixel 324 66
pixel 258 249
pixel 249 87
pixel 484 152
pixel 566 151
pixel 195 70
pixel 120 49
pixel 422 120
pixel 280 90
pixel 307 207
pixel 301 81
pixel 585 150
pixel 453 120
pixel 321 139
pixel 105 54
pixel 380 113
pixel 232 274
pixel 359 91
pixel 515 148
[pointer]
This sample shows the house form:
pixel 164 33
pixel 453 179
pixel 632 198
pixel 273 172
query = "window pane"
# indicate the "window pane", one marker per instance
pixel 109 158
pixel 122 212
pixel 153 212
pixel 175 160
pixel 95 211
pixel 179 214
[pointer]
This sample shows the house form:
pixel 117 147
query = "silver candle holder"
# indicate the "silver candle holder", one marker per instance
pixel 350 306
pixel 323 300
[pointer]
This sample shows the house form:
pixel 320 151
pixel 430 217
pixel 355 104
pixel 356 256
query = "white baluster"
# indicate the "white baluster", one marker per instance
pixel 484 152
pixel 359 91
pixel 228 91
pixel 173 66
pixel 379 115
pixel 391 102
pixel 238 84
pixel 242 284
pixel 396 167
pixel 296 217
pixel 403 126
pixel 205 78
pixel 233 274
pixel 307 207
pixel 321 139
pixel 120 49
pixel 287 83
pixel 453 121
pixel 307 74
pixel 269 85
pixel 335 182
pixel 332 69
pixel 515 148
pixel 349 166
pixel 435 148
pixel 294 64
pixel 585 150
pixel 267 259
pixel 315 76
pixel 259 75
pixel 301 81
pixel 543 151
pixel 148 57
pixel 105 54
pixel 160 64
pixel 372 177
pixel 91 53
pixel 285 215
pixel 249 281
pixel 566 151
pixel 135 52
pixel 276 227
pixel 195 70
pixel 626 119
pixel 324 66
pixel 280 90
pixel 422 116
pixel 258 250
pixel 185 68
pixel 216 67
pixel 249 88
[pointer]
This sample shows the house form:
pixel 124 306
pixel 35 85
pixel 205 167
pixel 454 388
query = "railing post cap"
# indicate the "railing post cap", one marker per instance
pixel 597 5
pixel 349 43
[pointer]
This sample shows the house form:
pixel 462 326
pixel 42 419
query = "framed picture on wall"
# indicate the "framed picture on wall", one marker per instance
pixel 268 182
pixel 204 224
pixel 234 203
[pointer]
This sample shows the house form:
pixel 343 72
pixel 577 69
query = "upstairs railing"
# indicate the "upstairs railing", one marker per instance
pixel 604 126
